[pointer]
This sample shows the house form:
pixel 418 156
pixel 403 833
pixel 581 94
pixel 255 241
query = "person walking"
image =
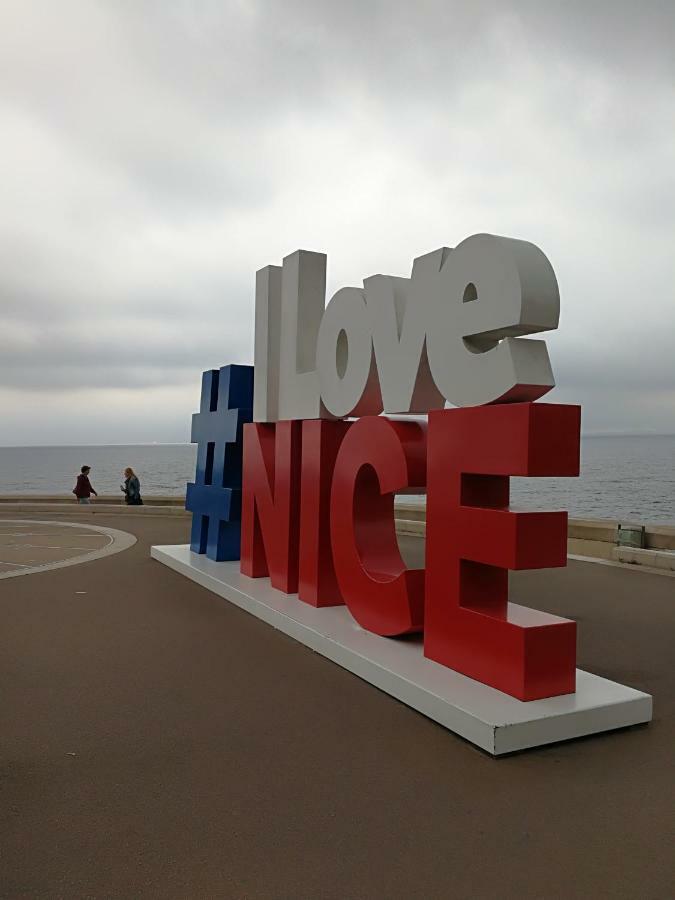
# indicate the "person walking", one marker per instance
pixel 83 489
pixel 131 488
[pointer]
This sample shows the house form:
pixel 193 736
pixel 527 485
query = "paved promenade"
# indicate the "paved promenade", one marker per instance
pixel 159 742
pixel 25 546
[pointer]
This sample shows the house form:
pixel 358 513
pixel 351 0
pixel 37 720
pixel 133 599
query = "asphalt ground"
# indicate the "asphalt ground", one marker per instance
pixel 159 742
pixel 24 546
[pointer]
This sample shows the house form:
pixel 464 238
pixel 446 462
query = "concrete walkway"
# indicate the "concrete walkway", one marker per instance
pixel 30 546
pixel 24 546
pixel 158 742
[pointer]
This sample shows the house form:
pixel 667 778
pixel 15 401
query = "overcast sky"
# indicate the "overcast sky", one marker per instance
pixel 153 155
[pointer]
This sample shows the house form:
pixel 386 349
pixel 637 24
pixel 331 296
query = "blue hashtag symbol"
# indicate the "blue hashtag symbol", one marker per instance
pixel 215 498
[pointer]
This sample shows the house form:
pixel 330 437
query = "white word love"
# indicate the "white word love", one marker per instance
pixel 452 332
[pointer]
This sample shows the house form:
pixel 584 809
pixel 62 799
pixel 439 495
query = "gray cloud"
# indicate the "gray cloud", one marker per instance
pixel 156 154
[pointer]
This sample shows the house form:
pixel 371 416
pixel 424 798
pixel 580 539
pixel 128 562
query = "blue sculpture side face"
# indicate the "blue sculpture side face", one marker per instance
pixel 214 499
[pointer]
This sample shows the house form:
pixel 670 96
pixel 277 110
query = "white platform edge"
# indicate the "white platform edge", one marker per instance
pixel 488 718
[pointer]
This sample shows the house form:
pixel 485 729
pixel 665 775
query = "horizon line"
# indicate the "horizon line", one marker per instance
pixel 588 434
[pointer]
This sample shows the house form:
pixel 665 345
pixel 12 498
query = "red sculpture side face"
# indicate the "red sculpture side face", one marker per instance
pixel 321 442
pixel 270 503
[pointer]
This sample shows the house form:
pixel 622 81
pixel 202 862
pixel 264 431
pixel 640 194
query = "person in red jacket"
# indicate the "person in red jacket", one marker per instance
pixel 83 489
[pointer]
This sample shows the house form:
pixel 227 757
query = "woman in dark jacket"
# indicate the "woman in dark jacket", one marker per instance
pixel 131 488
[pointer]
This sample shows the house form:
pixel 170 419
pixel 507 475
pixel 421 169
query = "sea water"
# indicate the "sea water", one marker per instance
pixel 630 479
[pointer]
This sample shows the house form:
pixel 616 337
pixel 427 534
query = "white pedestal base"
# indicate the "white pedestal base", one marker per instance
pixel 494 721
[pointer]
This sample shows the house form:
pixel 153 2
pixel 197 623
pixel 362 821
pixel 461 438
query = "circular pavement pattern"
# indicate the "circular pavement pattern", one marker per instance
pixel 30 546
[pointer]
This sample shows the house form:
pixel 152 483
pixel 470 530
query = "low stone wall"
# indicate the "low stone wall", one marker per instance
pixel 598 539
pixel 109 499
pixel 60 507
pixel 595 538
